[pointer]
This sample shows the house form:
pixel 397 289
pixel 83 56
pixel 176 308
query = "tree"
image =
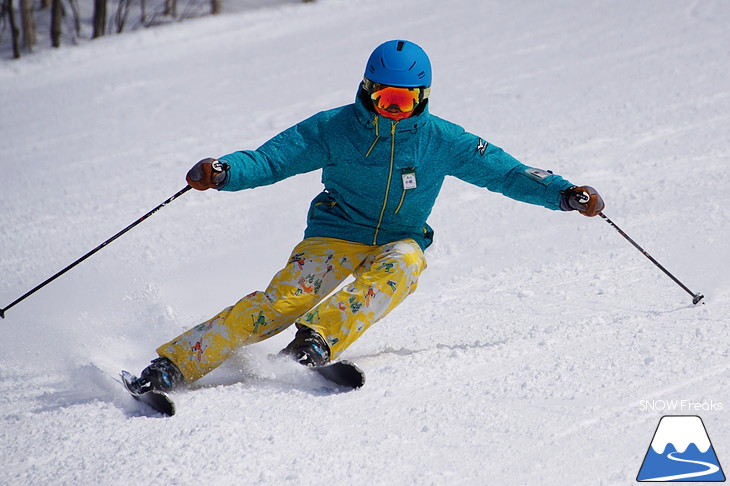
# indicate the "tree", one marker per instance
pixel 76 17
pixel 99 18
pixel 14 32
pixel 56 22
pixel 27 21
pixel 215 7
pixel 120 18
pixel 171 8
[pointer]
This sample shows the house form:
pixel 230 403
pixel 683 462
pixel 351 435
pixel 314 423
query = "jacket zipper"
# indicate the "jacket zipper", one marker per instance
pixel 402 198
pixel 377 137
pixel 390 176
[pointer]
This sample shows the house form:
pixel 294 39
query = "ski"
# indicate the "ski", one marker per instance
pixel 155 399
pixel 342 373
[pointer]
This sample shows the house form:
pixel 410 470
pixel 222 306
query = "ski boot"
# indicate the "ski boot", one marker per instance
pixel 161 374
pixel 308 348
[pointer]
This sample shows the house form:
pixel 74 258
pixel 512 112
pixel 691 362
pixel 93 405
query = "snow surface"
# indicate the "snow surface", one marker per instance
pixel 536 338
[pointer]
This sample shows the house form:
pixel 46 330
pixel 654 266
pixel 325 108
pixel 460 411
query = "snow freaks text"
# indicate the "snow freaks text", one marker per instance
pixel 680 406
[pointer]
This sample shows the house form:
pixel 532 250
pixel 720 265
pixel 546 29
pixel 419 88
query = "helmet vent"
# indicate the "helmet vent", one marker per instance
pixel 400 45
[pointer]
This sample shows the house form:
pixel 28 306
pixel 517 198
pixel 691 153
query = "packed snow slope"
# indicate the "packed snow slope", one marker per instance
pixel 536 338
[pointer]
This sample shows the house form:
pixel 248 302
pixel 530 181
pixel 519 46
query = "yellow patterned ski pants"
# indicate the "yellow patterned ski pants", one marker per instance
pixel 384 276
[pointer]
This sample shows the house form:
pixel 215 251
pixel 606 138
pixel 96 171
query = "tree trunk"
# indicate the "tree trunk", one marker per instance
pixel 14 32
pixel 143 11
pixel 74 4
pixel 99 18
pixel 122 14
pixel 215 7
pixel 27 21
pixel 171 8
pixel 56 22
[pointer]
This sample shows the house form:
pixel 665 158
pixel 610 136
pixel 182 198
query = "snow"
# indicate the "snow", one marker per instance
pixel 534 336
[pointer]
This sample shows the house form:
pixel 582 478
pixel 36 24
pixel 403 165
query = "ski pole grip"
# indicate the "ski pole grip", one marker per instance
pixel 582 197
pixel 219 166
pixel 220 173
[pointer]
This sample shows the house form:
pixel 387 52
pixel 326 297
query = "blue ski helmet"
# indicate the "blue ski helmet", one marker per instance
pixel 399 63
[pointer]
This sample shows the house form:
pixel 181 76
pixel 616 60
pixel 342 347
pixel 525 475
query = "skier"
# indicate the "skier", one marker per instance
pixel 383 160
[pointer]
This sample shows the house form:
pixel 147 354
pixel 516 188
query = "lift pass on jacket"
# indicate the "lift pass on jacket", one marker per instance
pixel 409 178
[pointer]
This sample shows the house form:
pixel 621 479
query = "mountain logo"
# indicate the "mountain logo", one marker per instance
pixel 680 451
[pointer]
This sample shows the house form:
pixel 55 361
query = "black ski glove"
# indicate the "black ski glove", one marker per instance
pixel 208 174
pixel 583 199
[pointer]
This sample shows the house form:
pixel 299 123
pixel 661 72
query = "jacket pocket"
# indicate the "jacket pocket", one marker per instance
pixel 323 203
pixel 408 178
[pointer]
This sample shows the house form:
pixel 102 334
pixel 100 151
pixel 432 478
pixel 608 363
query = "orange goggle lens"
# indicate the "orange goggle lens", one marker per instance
pixel 405 99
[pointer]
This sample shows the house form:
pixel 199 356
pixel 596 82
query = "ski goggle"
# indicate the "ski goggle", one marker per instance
pixel 394 102
pixel 405 99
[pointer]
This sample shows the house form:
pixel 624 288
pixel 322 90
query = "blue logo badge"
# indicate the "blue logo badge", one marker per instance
pixel 681 451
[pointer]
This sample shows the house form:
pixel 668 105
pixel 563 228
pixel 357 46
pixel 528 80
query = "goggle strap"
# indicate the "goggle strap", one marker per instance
pixel 423 92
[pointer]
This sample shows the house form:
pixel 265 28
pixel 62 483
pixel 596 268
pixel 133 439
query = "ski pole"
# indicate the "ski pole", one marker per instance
pixel 696 297
pixel 51 279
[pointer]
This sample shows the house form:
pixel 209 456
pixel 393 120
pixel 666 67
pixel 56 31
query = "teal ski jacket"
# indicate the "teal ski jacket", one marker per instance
pixel 381 177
